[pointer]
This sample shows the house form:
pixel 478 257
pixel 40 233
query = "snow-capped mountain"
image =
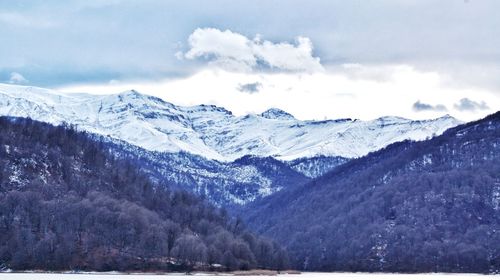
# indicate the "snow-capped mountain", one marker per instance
pixel 210 131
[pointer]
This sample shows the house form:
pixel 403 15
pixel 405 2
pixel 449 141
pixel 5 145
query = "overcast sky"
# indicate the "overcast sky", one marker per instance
pixel 314 59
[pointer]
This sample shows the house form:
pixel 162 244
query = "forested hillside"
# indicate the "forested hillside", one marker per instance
pixel 68 204
pixel 221 183
pixel 413 206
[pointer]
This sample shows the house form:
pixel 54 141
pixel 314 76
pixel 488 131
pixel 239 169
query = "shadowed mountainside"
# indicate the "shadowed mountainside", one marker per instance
pixel 422 206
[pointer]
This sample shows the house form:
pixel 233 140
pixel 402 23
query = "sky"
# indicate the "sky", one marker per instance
pixel 314 59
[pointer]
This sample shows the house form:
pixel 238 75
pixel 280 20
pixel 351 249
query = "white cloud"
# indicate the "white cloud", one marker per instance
pixel 233 51
pixel 16 78
pixel 222 46
pixel 315 95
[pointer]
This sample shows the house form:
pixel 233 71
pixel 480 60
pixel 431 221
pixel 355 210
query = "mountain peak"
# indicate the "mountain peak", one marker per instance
pixel 447 117
pixel 275 113
pixel 209 108
pixel 134 95
pixel 130 93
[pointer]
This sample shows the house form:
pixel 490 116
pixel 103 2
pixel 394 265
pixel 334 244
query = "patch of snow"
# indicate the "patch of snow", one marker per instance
pixel 427 160
pixel 495 199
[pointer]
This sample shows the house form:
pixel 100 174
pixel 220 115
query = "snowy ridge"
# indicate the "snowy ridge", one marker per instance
pixel 275 113
pixel 210 131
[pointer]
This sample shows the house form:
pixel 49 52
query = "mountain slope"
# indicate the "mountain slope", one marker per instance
pixel 222 183
pixel 211 131
pixel 68 202
pixel 314 167
pixel 414 206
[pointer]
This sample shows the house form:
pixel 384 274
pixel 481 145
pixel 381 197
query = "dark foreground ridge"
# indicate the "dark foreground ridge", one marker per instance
pixel 412 207
pixel 66 203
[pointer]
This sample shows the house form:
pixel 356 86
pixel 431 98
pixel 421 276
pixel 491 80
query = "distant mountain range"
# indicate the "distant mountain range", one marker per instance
pixel 209 131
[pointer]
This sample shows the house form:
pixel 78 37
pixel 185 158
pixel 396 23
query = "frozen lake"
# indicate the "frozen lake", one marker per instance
pixel 317 276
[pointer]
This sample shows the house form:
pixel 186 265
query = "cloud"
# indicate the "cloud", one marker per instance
pixel 16 78
pixel 105 37
pixel 306 96
pixel 419 107
pixel 250 87
pixel 465 104
pixel 234 51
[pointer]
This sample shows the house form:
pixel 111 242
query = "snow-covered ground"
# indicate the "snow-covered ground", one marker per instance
pixel 314 276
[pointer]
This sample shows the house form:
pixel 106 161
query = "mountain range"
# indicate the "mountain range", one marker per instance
pixel 210 131
pixel 230 160
pixel 390 194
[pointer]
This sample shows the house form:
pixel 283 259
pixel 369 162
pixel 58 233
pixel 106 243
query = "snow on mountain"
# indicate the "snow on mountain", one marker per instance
pixel 223 183
pixel 275 113
pixel 210 131
pixel 314 167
